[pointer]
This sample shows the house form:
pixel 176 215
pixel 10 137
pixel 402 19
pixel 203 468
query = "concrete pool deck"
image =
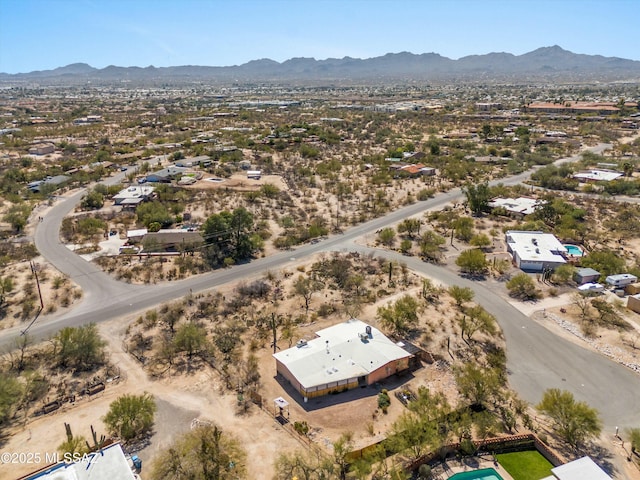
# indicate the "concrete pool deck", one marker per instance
pixel 451 467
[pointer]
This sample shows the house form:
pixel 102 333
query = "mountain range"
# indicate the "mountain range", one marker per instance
pixel 544 63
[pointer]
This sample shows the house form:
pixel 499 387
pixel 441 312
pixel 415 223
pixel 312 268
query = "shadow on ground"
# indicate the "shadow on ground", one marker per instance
pixel 325 401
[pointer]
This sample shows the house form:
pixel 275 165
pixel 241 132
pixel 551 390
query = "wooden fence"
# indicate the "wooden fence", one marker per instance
pixel 511 443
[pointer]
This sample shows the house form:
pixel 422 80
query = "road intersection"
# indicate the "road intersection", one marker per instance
pixel 537 359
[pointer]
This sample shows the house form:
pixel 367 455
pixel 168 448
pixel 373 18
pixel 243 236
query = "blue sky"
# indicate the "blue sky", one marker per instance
pixel 44 34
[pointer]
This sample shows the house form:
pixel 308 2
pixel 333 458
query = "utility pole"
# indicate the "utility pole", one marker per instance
pixel 34 270
pixel 35 274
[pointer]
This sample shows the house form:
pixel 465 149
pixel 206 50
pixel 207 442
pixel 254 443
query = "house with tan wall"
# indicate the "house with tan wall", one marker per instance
pixel 347 355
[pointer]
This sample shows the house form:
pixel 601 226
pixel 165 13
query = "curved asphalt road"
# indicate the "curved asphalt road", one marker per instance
pixel 536 358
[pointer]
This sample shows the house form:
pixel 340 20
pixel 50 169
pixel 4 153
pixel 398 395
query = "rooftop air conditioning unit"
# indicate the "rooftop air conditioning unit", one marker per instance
pixel 301 343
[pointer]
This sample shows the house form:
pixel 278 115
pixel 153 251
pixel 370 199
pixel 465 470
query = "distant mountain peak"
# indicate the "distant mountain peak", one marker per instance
pixel 543 62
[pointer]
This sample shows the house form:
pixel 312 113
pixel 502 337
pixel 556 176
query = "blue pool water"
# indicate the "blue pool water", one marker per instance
pixel 573 250
pixel 484 474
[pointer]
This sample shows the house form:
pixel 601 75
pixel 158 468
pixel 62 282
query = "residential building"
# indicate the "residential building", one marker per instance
pixel 87 120
pixel 166 174
pixel 108 463
pixel 193 161
pixel 341 357
pixel 586 275
pixel 517 206
pixel 133 195
pixel 596 175
pixel 56 181
pixel 582 469
pixel 488 106
pixel 535 251
pixel 254 174
pixel 601 108
pixel 135 236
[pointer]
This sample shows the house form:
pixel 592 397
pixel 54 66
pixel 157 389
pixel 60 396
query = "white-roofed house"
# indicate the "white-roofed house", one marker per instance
pixel 341 357
pixel 518 206
pixel 133 195
pixel 596 175
pixel 535 251
pixel 581 469
pixel 108 463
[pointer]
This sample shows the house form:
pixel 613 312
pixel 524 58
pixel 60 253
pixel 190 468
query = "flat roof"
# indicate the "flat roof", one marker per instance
pixel 137 233
pixel 536 246
pixel 582 469
pixel 587 271
pixel 522 205
pixel 339 353
pixel 107 464
pixel 135 191
pixel 601 175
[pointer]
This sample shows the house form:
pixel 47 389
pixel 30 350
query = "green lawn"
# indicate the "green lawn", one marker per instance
pixel 528 465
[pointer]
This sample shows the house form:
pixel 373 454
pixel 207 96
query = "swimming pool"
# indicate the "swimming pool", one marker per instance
pixel 574 250
pixel 484 474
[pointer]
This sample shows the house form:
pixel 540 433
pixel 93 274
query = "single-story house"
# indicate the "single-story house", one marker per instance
pixel 171 240
pixel 341 357
pixel 586 275
pixel 535 251
pixel 581 469
pixel 596 175
pixel 133 195
pixel 108 463
pixel 621 280
pixel 135 236
pixel 520 206
pixel 166 174
pixel 57 181
pixel 193 161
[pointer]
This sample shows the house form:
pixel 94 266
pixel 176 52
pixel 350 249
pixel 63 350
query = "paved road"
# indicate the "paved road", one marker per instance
pixel 536 359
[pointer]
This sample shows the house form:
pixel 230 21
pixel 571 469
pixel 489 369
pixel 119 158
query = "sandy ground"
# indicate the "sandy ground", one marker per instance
pixel 180 400
pixel 238 182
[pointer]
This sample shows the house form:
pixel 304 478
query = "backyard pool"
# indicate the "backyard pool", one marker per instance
pixel 574 250
pixel 484 474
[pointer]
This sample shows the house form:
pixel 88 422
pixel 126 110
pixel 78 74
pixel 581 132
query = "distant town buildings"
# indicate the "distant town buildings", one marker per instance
pixel 600 108
pixel 88 120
